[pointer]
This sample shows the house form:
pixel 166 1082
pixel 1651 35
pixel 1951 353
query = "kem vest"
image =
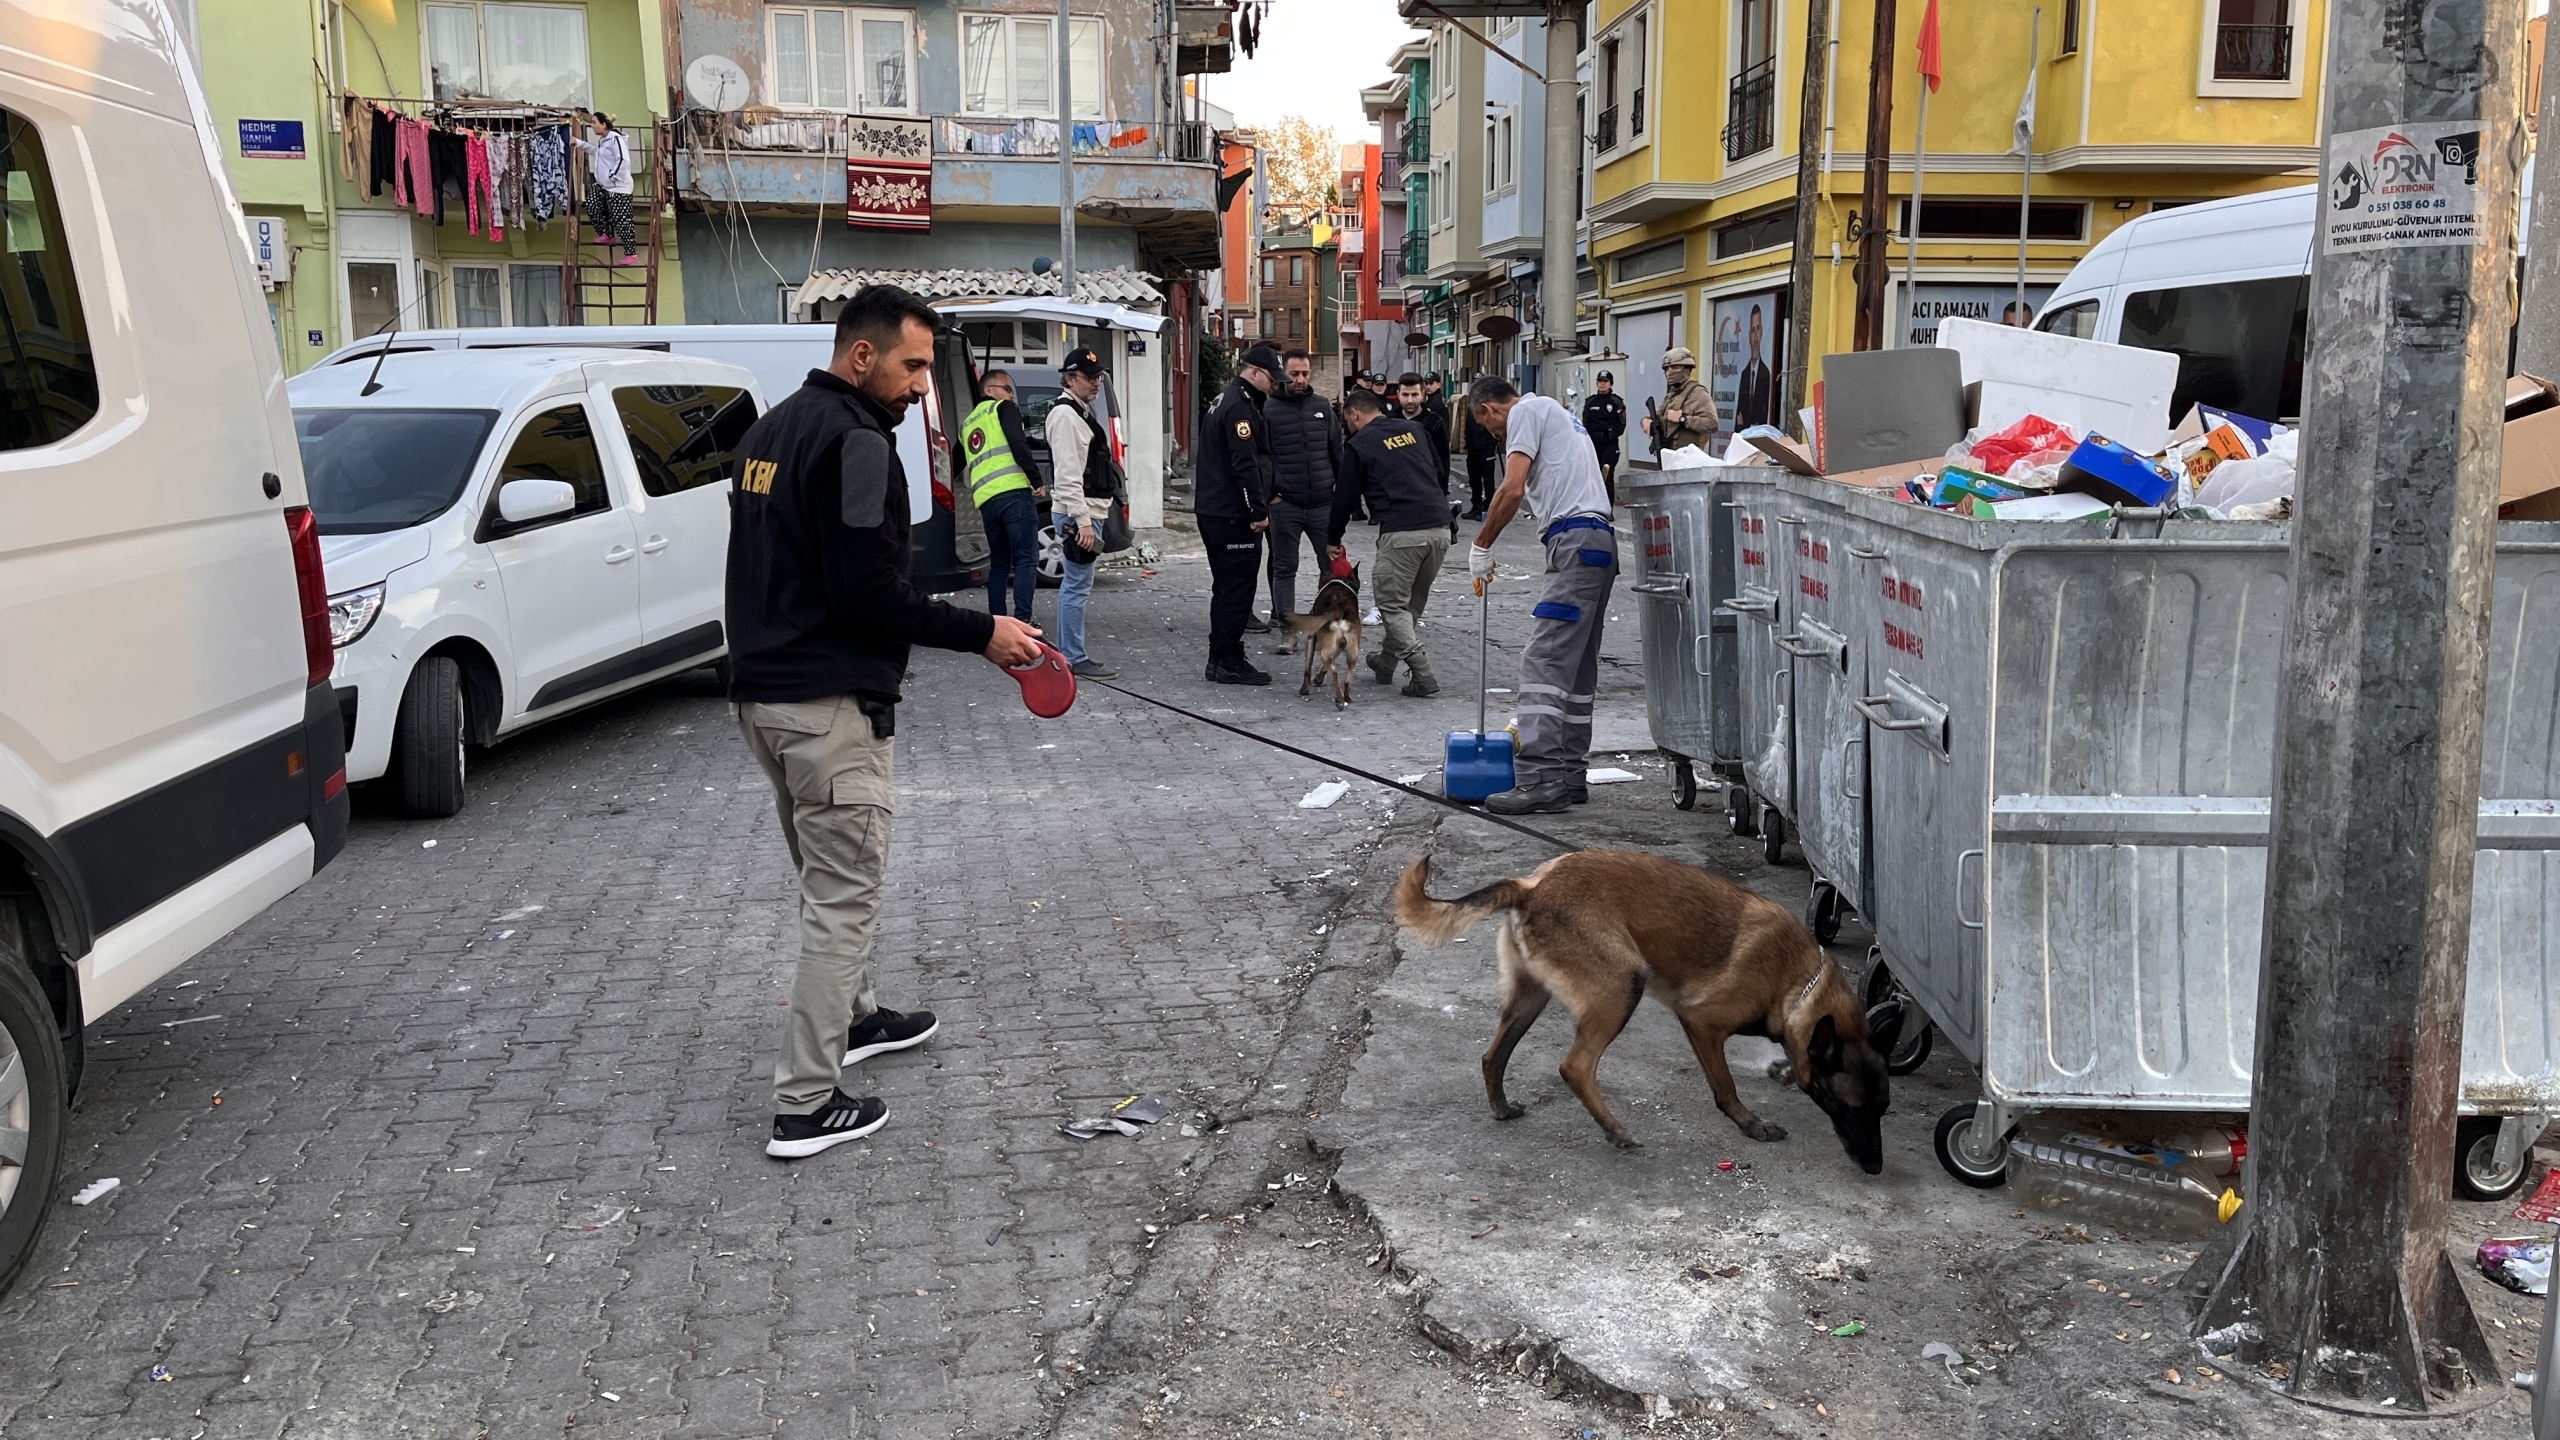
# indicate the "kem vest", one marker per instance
pixel 993 468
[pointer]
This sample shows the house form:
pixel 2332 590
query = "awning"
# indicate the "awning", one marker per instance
pixel 1107 288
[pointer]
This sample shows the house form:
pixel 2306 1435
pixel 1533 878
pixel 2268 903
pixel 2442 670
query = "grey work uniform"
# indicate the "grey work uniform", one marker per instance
pixel 1560 669
pixel 820 617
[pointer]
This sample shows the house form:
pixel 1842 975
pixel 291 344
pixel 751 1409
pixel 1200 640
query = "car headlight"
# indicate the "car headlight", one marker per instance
pixel 351 614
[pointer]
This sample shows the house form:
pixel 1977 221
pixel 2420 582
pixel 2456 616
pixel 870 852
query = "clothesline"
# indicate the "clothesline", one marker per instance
pixel 513 174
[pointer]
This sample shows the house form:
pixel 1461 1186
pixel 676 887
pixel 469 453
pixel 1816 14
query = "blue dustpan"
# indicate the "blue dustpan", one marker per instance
pixel 1479 761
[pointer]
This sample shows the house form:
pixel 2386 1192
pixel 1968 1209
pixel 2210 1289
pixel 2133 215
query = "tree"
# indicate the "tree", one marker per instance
pixel 1305 164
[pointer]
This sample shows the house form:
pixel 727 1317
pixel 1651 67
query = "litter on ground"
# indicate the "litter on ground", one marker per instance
pixel 1323 796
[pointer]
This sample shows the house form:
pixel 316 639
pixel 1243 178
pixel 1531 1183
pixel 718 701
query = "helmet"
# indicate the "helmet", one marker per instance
pixel 1678 356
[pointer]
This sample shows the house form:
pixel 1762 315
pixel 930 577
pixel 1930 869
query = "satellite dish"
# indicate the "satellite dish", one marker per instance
pixel 717 82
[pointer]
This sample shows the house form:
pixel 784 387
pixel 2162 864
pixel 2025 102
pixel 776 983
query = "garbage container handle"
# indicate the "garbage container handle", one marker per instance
pixel 1793 644
pixel 1845 746
pixel 1739 606
pixel 1875 554
pixel 1698 654
pixel 1879 712
pixel 1960 890
pixel 1669 585
pixel 1790 519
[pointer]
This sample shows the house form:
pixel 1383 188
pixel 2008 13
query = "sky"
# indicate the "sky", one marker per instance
pixel 1315 58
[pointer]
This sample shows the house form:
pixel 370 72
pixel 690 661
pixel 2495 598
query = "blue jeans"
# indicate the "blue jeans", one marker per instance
pixel 1072 591
pixel 1013 551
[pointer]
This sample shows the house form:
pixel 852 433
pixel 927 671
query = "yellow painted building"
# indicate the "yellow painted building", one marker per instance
pixel 2139 105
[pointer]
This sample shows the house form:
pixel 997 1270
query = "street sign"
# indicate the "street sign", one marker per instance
pixel 271 140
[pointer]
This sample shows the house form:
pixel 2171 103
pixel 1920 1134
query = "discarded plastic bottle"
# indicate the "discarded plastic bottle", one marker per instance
pixel 2098 1181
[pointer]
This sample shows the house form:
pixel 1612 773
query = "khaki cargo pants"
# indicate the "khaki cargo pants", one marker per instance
pixel 1400 581
pixel 831 785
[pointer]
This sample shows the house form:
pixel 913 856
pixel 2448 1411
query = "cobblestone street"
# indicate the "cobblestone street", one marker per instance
pixel 464 1137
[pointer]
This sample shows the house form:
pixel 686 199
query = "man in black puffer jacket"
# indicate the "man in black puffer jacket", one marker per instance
pixel 1306 452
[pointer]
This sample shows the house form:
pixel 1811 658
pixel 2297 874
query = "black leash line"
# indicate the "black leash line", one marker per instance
pixel 1330 762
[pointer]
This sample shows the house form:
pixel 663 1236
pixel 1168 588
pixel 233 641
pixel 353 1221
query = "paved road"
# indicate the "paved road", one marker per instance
pixel 464 1137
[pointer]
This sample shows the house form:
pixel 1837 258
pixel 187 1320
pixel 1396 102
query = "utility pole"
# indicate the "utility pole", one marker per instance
pixel 1066 155
pixel 1874 227
pixel 1809 182
pixel 2367 916
pixel 1559 278
pixel 2538 327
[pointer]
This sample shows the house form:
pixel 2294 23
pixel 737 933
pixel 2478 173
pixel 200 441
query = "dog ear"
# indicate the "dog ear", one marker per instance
pixel 1824 1047
pixel 1884 1027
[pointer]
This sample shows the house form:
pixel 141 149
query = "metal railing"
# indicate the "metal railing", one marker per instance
pixel 1191 140
pixel 2253 52
pixel 1751 111
pixel 1606 136
pixel 1635 114
pixel 1417 140
pixel 1415 256
pixel 822 132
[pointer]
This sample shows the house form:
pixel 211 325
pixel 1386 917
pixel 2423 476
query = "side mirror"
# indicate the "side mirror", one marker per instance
pixel 521 502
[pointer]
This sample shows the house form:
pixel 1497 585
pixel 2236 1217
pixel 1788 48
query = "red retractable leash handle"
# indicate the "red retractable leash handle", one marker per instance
pixel 1048 686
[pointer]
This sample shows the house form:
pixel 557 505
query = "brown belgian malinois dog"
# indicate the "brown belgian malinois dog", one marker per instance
pixel 1332 628
pixel 1596 927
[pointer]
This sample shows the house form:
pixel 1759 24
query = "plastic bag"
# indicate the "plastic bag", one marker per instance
pixel 1994 454
pixel 1685 457
pixel 2246 482
pixel 2522 1265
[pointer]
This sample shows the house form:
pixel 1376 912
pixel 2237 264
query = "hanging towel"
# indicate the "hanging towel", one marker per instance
pixel 549 176
pixel 414 181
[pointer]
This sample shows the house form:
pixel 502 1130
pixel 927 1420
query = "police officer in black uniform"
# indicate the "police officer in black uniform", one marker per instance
pixel 821 615
pixel 1231 498
pixel 1605 416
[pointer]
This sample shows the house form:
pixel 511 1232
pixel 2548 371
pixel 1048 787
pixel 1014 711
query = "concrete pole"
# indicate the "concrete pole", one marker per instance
pixel 1874 224
pixel 2368 886
pixel 2538 327
pixel 1559 286
pixel 1066 156
pixel 1811 144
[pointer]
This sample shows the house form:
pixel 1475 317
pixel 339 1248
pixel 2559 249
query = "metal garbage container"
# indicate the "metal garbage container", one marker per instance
pixel 1683 571
pixel 1825 573
pixel 1764 725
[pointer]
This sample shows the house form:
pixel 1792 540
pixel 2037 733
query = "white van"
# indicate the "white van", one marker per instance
pixel 170 752
pixel 512 536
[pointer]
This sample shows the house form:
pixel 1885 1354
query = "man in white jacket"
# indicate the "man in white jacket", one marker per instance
pixel 1084 482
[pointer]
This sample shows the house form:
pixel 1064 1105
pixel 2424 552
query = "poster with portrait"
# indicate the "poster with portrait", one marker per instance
pixel 1747 369
pixel 1992 304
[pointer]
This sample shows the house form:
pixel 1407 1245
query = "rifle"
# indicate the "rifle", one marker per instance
pixel 1653 430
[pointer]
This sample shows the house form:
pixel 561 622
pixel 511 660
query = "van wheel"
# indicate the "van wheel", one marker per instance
pixel 426 741
pixel 35 1102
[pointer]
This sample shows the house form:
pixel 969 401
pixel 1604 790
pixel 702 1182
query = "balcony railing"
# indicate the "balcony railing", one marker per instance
pixel 1751 111
pixel 2253 52
pixel 1606 138
pixel 1635 114
pixel 822 132
pixel 1415 258
pixel 1417 140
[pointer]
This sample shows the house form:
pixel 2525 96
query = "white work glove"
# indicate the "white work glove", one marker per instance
pixel 1480 566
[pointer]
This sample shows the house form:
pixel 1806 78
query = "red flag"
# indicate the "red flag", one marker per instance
pixel 1929 46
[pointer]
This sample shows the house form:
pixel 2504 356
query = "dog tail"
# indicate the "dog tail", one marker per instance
pixel 1306 624
pixel 1437 922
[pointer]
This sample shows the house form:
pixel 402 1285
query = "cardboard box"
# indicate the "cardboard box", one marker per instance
pixel 2116 390
pixel 2114 473
pixel 1884 407
pixel 2529 465
pixel 1786 452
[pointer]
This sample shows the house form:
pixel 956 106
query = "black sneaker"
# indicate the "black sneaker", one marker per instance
pixel 842 1118
pixel 1091 669
pixel 882 1031
pixel 1255 624
pixel 1533 800
pixel 1235 672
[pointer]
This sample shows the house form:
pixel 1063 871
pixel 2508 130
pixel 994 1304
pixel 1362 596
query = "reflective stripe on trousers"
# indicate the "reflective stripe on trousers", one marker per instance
pixel 1560 669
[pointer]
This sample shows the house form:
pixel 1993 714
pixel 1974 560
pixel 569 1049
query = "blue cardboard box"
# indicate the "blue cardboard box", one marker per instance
pixel 2103 468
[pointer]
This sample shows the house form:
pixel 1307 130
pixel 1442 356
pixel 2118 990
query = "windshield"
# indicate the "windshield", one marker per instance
pixel 371 470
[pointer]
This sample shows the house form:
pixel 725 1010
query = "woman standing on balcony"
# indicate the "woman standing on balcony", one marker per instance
pixel 609 197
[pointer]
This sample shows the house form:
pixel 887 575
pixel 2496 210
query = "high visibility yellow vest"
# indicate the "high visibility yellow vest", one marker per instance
pixel 993 470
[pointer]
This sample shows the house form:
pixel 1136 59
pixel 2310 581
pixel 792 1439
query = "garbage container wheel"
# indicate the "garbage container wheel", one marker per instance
pixel 2476 1175
pixel 1822 912
pixel 1741 816
pixel 1919 1034
pixel 1773 836
pixel 1684 785
pixel 1952 1129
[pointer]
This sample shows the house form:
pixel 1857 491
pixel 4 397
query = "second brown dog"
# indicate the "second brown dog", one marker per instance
pixel 1332 628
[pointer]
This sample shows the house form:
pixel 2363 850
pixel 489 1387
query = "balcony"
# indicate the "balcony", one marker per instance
pixel 1751 111
pixel 1415 257
pixel 2253 52
pixel 1417 141
pixel 1605 139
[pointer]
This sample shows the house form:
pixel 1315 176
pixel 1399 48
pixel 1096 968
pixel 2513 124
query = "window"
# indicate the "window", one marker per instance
pixel 1270 269
pixel 2070 34
pixel 1967 220
pixel 370 470
pixel 1498 171
pixel 373 296
pixel 1635 92
pixel 533 53
pixel 557 444
pixel 48 382
pixel 1765 231
pixel 2080 321
pixel 1668 258
pixel 1008 342
pixel 682 435
pixel 2239 344
pixel 2252 40
pixel 535 291
pixel 1007 66
pixel 1266 332
pixel 1297 269
pixel 832 59
pixel 476 301
pixel 430 312
pixel 1297 320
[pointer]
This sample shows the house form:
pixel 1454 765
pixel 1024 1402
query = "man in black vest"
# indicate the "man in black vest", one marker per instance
pixel 1390 462
pixel 1231 498
pixel 821 615
pixel 1306 450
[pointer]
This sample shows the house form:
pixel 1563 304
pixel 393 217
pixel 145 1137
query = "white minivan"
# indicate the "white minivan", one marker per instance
pixel 511 536
pixel 170 755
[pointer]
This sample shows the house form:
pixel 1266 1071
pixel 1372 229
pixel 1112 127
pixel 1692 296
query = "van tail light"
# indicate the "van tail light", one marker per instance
pixel 1119 447
pixel 312 583
pixel 942 498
